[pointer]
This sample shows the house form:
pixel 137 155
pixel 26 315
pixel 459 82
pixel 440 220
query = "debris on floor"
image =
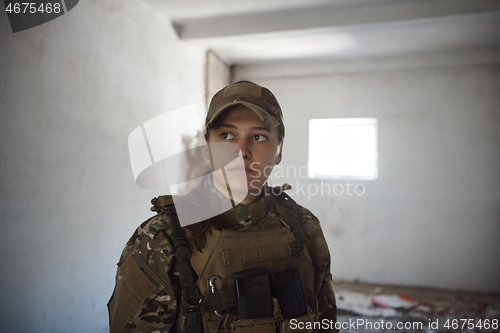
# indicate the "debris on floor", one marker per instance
pixel 361 304
pixel 403 301
pixel 437 311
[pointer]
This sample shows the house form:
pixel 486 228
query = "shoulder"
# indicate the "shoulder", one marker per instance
pixel 305 214
pixel 162 221
pixel 315 239
pixel 309 222
pixel 153 234
pixel 285 205
pixel 316 242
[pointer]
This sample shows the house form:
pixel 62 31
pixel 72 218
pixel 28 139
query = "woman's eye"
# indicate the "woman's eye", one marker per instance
pixel 227 136
pixel 259 137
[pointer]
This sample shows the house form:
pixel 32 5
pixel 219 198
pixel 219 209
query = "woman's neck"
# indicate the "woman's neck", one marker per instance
pixel 236 197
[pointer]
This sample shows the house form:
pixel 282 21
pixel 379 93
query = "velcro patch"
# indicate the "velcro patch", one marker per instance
pixel 263 254
pixel 243 89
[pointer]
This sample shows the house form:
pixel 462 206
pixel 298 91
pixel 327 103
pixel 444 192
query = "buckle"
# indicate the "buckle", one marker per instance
pixel 211 287
pixel 192 321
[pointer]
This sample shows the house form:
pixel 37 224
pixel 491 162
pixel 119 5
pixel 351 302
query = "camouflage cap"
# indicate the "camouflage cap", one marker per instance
pixel 258 99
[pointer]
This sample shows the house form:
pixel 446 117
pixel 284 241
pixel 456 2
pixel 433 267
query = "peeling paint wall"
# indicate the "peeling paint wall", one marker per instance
pixel 217 75
pixel 71 91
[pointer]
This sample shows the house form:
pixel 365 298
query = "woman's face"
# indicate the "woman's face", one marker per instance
pixel 259 150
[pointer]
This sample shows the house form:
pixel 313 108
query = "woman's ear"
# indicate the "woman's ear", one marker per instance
pixel 280 154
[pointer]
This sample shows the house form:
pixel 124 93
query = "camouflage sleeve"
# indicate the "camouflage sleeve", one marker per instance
pixel 320 255
pixel 147 285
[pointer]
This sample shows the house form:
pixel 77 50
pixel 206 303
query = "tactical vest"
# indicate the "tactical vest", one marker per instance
pixel 230 251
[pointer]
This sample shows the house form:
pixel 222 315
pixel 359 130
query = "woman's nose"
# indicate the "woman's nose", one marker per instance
pixel 245 149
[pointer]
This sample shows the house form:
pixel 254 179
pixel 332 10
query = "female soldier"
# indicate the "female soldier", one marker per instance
pixel 261 266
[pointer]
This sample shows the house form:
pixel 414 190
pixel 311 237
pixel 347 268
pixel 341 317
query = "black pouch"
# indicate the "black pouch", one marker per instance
pixel 254 293
pixel 287 288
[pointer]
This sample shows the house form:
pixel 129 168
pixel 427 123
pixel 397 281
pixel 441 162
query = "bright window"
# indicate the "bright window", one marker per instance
pixel 343 148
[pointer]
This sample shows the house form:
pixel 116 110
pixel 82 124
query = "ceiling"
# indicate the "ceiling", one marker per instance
pixel 246 32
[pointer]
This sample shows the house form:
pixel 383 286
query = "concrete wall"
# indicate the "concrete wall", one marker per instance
pixel 71 91
pixel 432 217
pixel 217 75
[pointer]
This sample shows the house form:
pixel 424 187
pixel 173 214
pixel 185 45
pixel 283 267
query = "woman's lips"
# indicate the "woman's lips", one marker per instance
pixel 241 170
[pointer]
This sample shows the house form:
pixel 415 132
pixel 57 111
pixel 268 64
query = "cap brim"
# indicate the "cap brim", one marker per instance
pixel 268 119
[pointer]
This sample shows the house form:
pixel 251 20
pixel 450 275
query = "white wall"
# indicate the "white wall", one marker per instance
pixel 432 217
pixel 71 91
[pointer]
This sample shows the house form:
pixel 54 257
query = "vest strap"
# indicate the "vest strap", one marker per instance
pixel 190 294
pixel 289 216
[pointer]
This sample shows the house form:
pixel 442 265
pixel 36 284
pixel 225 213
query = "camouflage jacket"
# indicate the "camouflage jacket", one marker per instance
pixel 152 248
